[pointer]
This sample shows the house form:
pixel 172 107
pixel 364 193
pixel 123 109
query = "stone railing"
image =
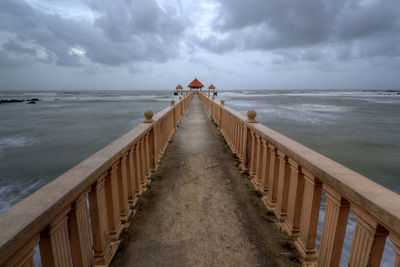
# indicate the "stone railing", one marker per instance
pixel 77 219
pixel 291 179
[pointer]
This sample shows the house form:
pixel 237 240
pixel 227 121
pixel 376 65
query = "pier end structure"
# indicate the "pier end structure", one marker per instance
pixel 106 187
pixel 291 178
pixel 195 85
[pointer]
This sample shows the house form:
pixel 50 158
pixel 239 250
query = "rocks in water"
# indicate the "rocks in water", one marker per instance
pixel 30 101
pixel 11 100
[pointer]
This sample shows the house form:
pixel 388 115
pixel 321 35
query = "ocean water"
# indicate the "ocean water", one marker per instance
pixel 359 129
pixel 38 142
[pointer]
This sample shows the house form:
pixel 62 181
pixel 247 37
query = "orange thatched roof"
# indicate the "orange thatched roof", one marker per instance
pixel 211 86
pixel 196 84
pixel 179 87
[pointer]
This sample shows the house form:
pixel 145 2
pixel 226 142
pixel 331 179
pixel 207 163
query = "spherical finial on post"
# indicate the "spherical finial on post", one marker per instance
pixel 172 103
pixel 148 114
pixel 222 102
pixel 251 115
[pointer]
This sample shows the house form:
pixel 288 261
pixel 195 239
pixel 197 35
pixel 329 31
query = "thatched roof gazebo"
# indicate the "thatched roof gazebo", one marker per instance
pixel 178 90
pixel 195 84
pixel 212 90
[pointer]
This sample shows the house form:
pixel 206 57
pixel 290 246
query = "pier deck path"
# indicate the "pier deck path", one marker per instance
pixel 200 210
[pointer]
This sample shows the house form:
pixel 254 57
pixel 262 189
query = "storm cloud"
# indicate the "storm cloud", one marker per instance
pixel 233 42
pixel 363 28
pixel 122 32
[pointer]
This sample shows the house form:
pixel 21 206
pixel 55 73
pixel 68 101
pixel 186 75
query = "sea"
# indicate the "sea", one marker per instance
pixel 38 142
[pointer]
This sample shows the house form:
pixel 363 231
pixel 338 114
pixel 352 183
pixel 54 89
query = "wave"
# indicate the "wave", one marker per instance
pixel 17 141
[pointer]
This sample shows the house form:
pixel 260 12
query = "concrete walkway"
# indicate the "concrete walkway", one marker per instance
pixel 200 210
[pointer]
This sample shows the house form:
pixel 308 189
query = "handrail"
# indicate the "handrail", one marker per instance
pixel 291 178
pixel 57 216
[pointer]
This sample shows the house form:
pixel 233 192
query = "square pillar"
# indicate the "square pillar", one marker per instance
pixel 368 240
pixel 98 220
pixel 283 187
pixel 334 228
pixel 54 242
pixel 295 199
pixel 79 230
pixel 309 217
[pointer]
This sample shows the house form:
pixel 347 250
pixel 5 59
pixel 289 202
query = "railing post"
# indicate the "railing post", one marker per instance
pixel 252 159
pixel 133 184
pixel 138 167
pixel 112 202
pixel 273 175
pixel 147 157
pixel 368 240
pixel 79 231
pixel 334 228
pixel 244 148
pixel 309 217
pixel 98 219
pixel 125 211
pixel 283 187
pixel 142 164
pixel 54 242
pixel 265 167
pixel 259 161
pixel 295 200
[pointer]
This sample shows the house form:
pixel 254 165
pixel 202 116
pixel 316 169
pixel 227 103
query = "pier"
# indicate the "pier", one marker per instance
pixel 201 184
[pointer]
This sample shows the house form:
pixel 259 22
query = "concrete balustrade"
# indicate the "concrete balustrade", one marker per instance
pixel 77 219
pixel 292 177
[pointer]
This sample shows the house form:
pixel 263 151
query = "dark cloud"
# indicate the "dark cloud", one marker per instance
pixel 124 31
pixel 368 27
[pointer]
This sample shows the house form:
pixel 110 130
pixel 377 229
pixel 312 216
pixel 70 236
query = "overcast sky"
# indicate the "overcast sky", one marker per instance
pixel 235 44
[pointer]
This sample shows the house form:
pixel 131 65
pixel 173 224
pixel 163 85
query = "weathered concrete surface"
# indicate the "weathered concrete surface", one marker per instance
pixel 200 210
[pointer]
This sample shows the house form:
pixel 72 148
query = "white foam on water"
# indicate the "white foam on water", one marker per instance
pixel 319 108
pixel 14 192
pixel 17 141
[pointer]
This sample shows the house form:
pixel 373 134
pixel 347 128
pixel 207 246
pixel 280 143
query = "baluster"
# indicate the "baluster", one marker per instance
pixel 99 222
pixel 283 187
pixel 112 203
pixel 334 228
pixel 252 154
pixel 272 193
pixel 125 211
pixel 150 144
pixel 137 168
pixel 147 157
pixel 23 257
pixel 368 240
pixel 54 242
pixel 258 162
pixel 265 166
pixel 79 229
pixel 143 165
pixel 395 238
pixel 295 200
pixel 242 141
pixel 131 178
pixel 234 136
pixel 309 217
